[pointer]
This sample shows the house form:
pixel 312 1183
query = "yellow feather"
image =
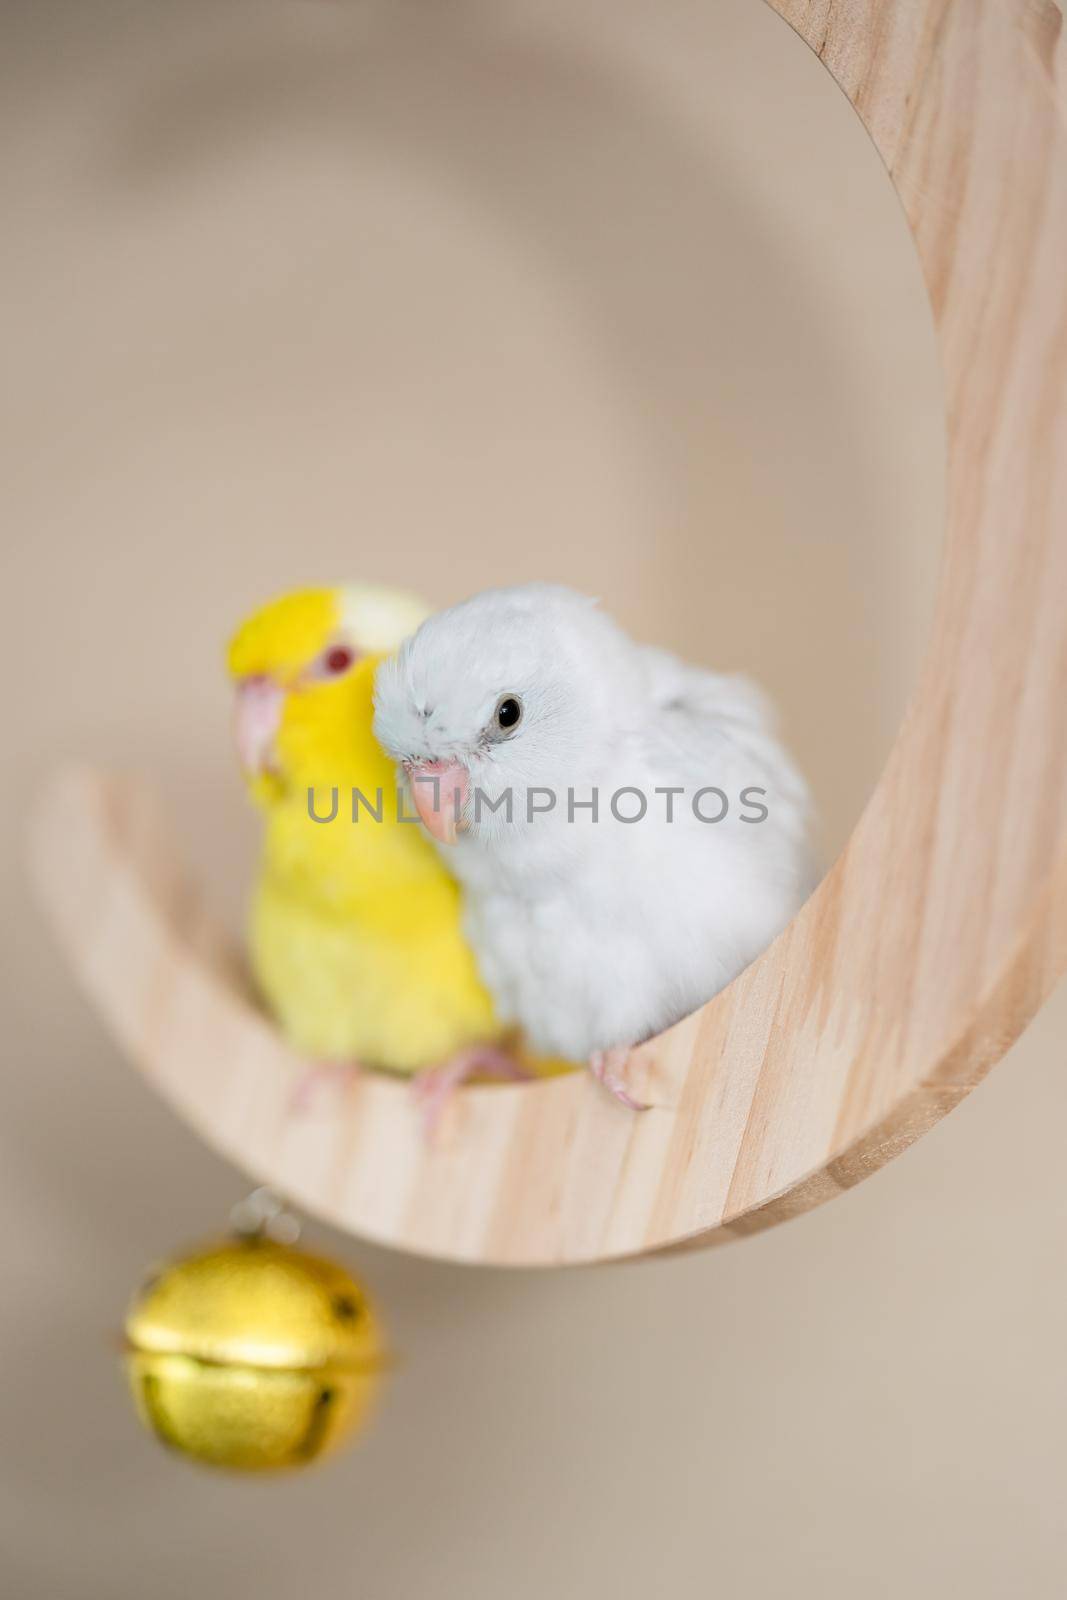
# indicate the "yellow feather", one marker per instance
pixel 355 929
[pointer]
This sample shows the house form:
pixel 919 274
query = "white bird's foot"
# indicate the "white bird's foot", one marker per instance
pixel 435 1087
pixel 608 1067
pixel 319 1075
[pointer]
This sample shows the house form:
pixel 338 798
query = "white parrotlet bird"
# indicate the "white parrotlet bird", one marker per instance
pixel 528 724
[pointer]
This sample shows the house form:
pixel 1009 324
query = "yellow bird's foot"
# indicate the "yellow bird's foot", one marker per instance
pixel 608 1067
pixel 435 1087
pixel 337 1076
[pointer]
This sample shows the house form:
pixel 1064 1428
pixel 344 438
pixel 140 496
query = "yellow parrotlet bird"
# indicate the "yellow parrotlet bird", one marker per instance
pixel 355 934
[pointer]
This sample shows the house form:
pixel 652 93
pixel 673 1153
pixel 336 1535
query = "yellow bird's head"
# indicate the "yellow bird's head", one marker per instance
pixel 303 668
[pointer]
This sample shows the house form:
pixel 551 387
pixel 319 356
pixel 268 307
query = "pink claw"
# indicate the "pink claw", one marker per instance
pixel 435 1087
pixel 336 1075
pixel 607 1067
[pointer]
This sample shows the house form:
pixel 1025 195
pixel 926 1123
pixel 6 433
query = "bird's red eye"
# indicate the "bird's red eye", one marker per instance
pixel 338 659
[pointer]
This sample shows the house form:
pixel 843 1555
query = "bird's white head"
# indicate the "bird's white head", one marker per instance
pixel 514 689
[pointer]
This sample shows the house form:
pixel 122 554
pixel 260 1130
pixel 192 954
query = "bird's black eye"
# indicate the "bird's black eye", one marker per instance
pixel 508 713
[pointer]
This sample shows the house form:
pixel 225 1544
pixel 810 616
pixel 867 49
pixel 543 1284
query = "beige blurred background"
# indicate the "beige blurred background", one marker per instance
pixel 611 291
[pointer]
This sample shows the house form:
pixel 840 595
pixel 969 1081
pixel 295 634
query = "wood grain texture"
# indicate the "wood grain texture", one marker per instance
pixel 936 934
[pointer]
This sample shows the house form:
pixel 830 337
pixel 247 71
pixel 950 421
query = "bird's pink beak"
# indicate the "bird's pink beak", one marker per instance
pixel 256 719
pixel 439 789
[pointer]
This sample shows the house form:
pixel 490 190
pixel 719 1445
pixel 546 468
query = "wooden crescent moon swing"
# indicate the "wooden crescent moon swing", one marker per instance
pixel 940 929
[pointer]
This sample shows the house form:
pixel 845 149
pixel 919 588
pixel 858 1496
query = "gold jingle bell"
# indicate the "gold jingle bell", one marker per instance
pixel 252 1354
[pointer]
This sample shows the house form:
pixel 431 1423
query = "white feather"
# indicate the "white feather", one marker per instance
pixel 596 935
